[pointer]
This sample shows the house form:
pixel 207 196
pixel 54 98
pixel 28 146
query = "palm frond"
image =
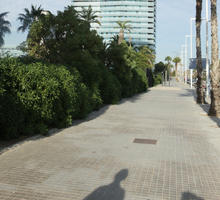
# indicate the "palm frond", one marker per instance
pixel 28 17
pixel 3 14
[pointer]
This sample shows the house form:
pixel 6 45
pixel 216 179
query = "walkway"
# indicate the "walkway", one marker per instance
pixel 98 160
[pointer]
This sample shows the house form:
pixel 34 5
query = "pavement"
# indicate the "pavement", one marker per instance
pixel 176 154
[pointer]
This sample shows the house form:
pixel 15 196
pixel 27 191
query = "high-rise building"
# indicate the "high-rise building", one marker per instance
pixel 141 15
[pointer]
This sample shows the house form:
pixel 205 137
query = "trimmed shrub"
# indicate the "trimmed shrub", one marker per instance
pixel 157 79
pixel 37 96
pixel 139 80
pixel 110 88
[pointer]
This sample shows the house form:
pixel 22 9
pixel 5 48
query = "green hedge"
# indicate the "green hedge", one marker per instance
pixel 34 97
pixel 157 79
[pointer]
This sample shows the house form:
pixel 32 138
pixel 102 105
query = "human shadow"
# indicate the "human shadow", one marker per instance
pixel 190 196
pixel 205 107
pixel 113 191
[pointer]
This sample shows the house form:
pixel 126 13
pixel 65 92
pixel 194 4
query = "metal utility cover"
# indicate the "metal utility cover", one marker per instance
pixel 144 141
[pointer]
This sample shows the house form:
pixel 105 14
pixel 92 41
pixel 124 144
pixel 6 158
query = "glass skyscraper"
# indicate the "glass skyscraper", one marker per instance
pixel 140 13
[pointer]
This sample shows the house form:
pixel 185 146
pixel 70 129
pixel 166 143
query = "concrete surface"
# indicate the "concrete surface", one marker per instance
pixel 97 159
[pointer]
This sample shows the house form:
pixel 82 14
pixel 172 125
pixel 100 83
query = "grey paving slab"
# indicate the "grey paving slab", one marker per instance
pixel 97 160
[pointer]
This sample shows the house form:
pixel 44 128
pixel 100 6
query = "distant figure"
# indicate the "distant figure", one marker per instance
pixel 112 191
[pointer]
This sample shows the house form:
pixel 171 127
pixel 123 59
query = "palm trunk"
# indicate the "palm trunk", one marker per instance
pixel 176 70
pixel 121 36
pixel 199 90
pixel 215 66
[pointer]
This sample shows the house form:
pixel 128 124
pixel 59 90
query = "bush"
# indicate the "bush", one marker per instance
pixel 139 80
pixel 37 96
pixel 150 77
pixel 157 79
pixel 110 88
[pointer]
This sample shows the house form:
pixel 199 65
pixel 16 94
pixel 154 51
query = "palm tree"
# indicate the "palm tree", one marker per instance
pixel 168 59
pixel 4 27
pixel 89 15
pixel 215 66
pixel 28 17
pixel 199 89
pixel 124 26
pixel 148 53
pixel 176 60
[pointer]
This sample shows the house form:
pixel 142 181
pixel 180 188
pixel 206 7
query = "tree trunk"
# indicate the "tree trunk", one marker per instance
pixel 121 36
pixel 215 66
pixel 176 69
pixel 199 89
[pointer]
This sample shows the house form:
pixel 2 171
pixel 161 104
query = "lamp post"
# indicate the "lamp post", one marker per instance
pixel 182 61
pixel 191 47
pixel 186 57
pixel 207 48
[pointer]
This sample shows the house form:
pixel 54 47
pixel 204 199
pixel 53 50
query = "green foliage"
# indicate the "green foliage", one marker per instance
pixel 39 96
pixel 89 15
pixel 110 88
pixel 28 17
pixel 22 47
pixel 168 59
pixel 122 61
pixel 139 80
pixel 4 27
pixel 150 77
pixel 159 67
pixel 145 57
pixel 69 72
pixel 177 60
pixel 157 79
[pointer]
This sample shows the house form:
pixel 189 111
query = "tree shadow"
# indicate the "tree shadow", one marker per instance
pixel 132 99
pixel 190 196
pixel 7 144
pixel 113 191
pixel 205 107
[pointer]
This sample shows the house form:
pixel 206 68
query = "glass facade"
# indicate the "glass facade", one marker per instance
pixel 140 13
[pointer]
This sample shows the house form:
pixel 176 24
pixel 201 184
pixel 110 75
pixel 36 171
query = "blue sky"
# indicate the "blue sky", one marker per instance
pixel 173 22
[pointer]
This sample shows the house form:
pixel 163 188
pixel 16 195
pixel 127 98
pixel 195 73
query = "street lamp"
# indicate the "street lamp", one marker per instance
pixel 191 48
pixel 207 48
pixel 186 59
pixel 182 61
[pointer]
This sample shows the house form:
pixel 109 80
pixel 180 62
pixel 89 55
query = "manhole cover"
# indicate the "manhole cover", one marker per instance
pixel 144 141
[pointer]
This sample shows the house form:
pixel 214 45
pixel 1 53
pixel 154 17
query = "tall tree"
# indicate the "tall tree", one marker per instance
pixel 168 66
pixel 215 66
pixel 168 59
pixel 146 55
pixel 4 27
pixel 89 15
pixel 176 60
pixel 199 89
pixel 124 26
pixel 28 17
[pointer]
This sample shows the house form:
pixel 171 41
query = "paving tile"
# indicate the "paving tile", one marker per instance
pixel 97 159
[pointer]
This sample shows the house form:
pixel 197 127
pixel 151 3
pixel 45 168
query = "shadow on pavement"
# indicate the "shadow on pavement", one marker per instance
pixel 190 196
pixel 5 145
pixel 205 107
pixel 113 191
pixel 134 98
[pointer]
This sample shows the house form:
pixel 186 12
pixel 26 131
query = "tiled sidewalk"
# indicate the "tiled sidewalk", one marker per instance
pixel 97 159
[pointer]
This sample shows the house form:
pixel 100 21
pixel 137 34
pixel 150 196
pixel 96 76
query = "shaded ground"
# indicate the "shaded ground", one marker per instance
pixel 97 159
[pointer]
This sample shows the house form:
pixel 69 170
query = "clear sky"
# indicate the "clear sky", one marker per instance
pixel 173 22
